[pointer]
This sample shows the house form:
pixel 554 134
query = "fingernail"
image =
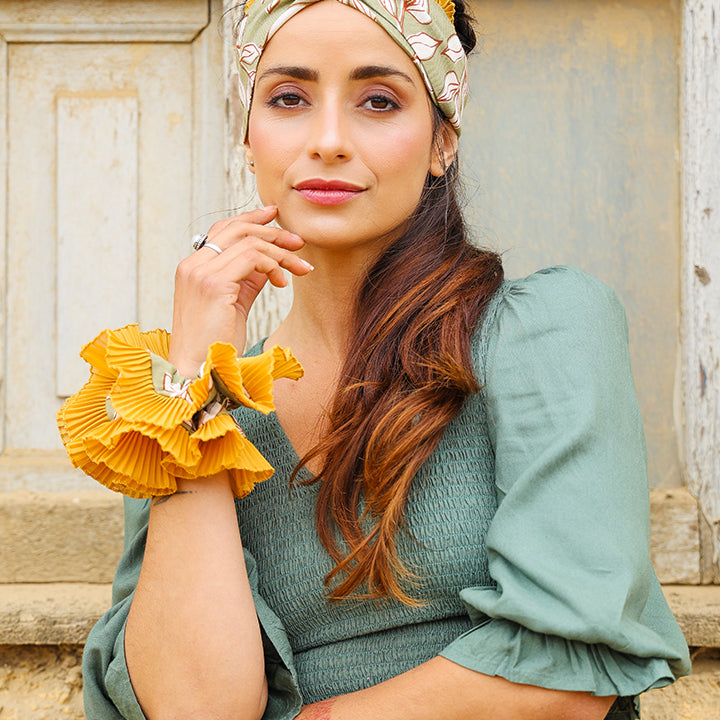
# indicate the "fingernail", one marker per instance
pixel 269 207
pixel 297 237
pixel 306 264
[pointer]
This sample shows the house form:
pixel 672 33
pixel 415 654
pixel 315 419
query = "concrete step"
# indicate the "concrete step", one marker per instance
pixel 76 535
pixel 63 613
pixel 45 471
pixel 42 627
pixel 54 537
pixel 72 542
pixel 50 613
pixel 697 609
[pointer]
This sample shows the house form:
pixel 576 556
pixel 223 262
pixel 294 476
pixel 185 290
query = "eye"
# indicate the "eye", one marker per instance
pixel 286 100
pixel 381 103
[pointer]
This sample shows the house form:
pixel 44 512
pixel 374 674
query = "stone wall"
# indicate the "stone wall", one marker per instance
pixel 59 555
pixel 41 682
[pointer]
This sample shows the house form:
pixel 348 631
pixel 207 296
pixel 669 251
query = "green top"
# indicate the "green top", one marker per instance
pixel 531 527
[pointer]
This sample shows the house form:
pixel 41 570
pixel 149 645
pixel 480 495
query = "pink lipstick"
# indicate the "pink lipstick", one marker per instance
pixel 328 192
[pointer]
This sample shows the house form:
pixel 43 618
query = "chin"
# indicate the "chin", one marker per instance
pixel 285 219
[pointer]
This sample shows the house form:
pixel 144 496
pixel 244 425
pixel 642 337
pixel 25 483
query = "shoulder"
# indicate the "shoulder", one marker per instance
pixel 558 292
pixel 558 296
pixel 553 315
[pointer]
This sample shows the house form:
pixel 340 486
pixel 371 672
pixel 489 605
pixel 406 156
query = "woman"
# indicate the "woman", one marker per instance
pixel 467 534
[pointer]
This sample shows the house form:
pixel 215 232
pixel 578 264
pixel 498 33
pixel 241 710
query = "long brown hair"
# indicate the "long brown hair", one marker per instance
pixel 406 374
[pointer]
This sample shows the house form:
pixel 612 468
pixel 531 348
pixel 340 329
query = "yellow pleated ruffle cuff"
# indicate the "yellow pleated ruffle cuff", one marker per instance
pixel 136 425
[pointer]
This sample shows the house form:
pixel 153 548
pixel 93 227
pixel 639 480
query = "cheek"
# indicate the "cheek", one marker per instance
pixel 268 155
pixel 405 156
pixel 262 137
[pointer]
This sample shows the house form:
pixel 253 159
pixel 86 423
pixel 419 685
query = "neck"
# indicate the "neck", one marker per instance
pixel 323 301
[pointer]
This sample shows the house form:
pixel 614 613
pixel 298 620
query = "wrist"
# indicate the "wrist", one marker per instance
pixel 219 483
pixel 185 366
pixel 138 425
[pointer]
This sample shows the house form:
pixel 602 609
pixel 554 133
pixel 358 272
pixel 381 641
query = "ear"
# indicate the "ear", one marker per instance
pixel 250 158
pixel 444 150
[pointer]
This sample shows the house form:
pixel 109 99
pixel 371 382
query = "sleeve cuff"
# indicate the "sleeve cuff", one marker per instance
pixel 136 425
pixel 107 691
pixel 284 697
pixel 123 694
pixel 504 648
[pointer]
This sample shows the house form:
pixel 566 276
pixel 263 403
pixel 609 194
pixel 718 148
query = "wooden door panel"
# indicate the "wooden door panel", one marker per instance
pixel 99 205
pixel 112 117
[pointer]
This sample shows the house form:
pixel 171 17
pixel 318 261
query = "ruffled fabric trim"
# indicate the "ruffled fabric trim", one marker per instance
pixel 183 430
pixel 504 648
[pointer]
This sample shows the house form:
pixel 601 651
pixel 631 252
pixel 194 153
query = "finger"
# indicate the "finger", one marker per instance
pixel 261 238
pixel 253 283
pixel 238 229
pixel 206 269
pixel 238 234
pixel 265 264
pixel 259 216
pixel 238 258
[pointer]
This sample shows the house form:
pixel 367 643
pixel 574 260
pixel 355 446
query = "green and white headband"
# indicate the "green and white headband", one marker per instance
pixel 422 28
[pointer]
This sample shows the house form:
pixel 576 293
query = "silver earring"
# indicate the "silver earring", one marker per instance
pixel 251 163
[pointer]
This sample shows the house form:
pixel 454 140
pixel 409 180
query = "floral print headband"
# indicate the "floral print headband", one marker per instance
pixel 422 28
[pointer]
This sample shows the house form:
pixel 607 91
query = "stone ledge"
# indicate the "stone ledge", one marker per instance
pixel 675 536
pixel 64 613
pixel 50 613
pixel 76 535
pixel 40 471
pixel 60 537
pixel 697 609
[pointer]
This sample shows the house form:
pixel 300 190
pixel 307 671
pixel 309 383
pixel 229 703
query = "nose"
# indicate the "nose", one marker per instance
pixel 330 137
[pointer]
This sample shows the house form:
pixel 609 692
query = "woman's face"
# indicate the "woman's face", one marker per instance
pixel 341 129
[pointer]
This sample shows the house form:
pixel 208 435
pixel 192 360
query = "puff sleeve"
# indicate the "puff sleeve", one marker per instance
pixel 576 604
pixel 108 693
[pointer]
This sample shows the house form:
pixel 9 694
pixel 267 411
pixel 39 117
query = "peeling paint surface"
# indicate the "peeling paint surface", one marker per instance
pixel 702 275
pixel 701 224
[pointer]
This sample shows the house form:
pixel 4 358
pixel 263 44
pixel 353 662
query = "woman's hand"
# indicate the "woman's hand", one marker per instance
pixel 214 292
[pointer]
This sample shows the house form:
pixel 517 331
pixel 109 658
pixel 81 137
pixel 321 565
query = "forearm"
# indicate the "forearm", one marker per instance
pixel 192 642
pixel 442 690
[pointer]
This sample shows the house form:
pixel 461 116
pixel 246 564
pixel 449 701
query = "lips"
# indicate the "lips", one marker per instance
pixel 328 192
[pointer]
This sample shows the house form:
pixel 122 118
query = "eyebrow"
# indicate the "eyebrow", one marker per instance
pixel 366 72
pixel 369 72
pixel 297 72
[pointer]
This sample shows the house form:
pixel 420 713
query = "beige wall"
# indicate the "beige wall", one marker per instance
pixel 571 157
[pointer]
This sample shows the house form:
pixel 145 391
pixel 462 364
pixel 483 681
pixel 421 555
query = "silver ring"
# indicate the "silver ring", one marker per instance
pixel 212 246
pixel 198 240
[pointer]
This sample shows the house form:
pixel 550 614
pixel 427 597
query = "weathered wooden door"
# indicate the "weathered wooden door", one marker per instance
pixel 113 136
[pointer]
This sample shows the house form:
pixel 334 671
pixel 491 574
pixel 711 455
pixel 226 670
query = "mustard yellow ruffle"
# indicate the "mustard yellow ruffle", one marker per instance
pixel 154 438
